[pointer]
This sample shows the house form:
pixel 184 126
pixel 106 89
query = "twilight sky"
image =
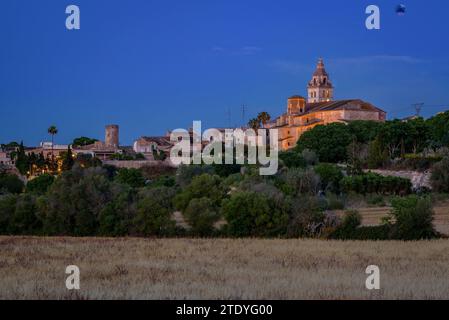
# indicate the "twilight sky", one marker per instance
pixel 150 66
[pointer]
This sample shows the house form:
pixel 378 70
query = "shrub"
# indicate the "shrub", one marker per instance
pixel 25 219
pixel 131 177
pixel 186 173
pixel 306 217
pixel 201 214
pixel 330 176
pixel 440 176
pixel 334 202
pixel 154 212
pixel 250 214
pixel 74 201
pixel 300 181
pixel 201 186
pixel 116 218
pixel 40 184
pixel 346 230
pixel 350 229
pixel 292 159
pixel 329 142
pixel 11 183
pixel 375 183
pixel 375 200
pixel 413 218
pixel 7 209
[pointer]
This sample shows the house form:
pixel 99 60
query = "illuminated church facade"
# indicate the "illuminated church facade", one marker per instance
pixel 319 108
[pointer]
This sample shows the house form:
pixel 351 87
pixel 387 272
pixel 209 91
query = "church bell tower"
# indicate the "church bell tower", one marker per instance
pixel 320 88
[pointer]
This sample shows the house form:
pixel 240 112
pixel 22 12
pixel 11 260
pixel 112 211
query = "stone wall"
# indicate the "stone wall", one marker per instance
pixel 137 164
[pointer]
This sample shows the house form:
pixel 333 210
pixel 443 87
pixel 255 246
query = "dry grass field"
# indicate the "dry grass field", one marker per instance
pixel 373 216
pixel 129 268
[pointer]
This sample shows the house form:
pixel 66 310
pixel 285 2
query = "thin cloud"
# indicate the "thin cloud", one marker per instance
pixel 242 51
pixel 291 67
pixel 377 58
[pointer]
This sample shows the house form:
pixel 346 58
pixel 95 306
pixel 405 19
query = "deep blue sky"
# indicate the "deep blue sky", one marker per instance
pixel 150 65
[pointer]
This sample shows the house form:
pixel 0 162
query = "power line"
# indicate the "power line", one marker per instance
pixel 418 108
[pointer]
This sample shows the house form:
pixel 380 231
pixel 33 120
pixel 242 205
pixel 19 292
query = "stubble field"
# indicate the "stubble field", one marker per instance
pixel 130 268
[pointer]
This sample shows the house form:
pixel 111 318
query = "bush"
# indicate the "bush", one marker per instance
pixel 154 212
pixel 306 218
pixel 376 200
pixel 201 215
pixel 440 176
pixel 250 214
pixel 329 142
pixel 375 183
pixel 292 159
pixel 330 176
pixel 40 184
pixel 74 201
pixel 11 184
pixel 186 173
pixel 131 177
pixel 346 230
pixel 7 209
pixel 201 186
pixel 334 202
pixel 413 218
pixel 299 181
pixel 25 219
pixel 116 218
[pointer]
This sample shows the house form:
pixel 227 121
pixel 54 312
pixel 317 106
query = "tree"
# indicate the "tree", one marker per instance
pixel 7 209
pixel 292 159
pixel 52 130
pixel 263 117
pixel 440 176
pixel 305 218
pixel 68 161
pixel 201 214
pixel 201 186
pixel 40 184
pixel 330 176
pixel 439 129
pixel 11 183
pixel 83 141
pixel 329 142
pixel 250 214
pixel 132 177
pixel 254 124
pixel 25 220
pixel 413 218
pixel 22 163
pixel 154 211
pixel 75 200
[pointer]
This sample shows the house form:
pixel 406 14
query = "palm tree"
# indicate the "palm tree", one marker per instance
pixel 254 124
pixel 52 131
pixel 264 117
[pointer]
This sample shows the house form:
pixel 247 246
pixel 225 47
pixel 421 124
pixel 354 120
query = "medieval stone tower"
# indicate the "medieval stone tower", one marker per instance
pixel 112 136
pixel 320 88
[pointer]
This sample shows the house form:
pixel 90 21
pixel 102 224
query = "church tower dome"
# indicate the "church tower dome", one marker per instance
pixel 320 88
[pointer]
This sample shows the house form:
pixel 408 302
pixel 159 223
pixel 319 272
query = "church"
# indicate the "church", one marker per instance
pixel 319 108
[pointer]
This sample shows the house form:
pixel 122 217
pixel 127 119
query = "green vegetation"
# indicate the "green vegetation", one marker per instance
pixel 83 141
pixel 322 175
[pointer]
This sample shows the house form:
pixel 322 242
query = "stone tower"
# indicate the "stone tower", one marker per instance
pixel 112 136
pixel 320 88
